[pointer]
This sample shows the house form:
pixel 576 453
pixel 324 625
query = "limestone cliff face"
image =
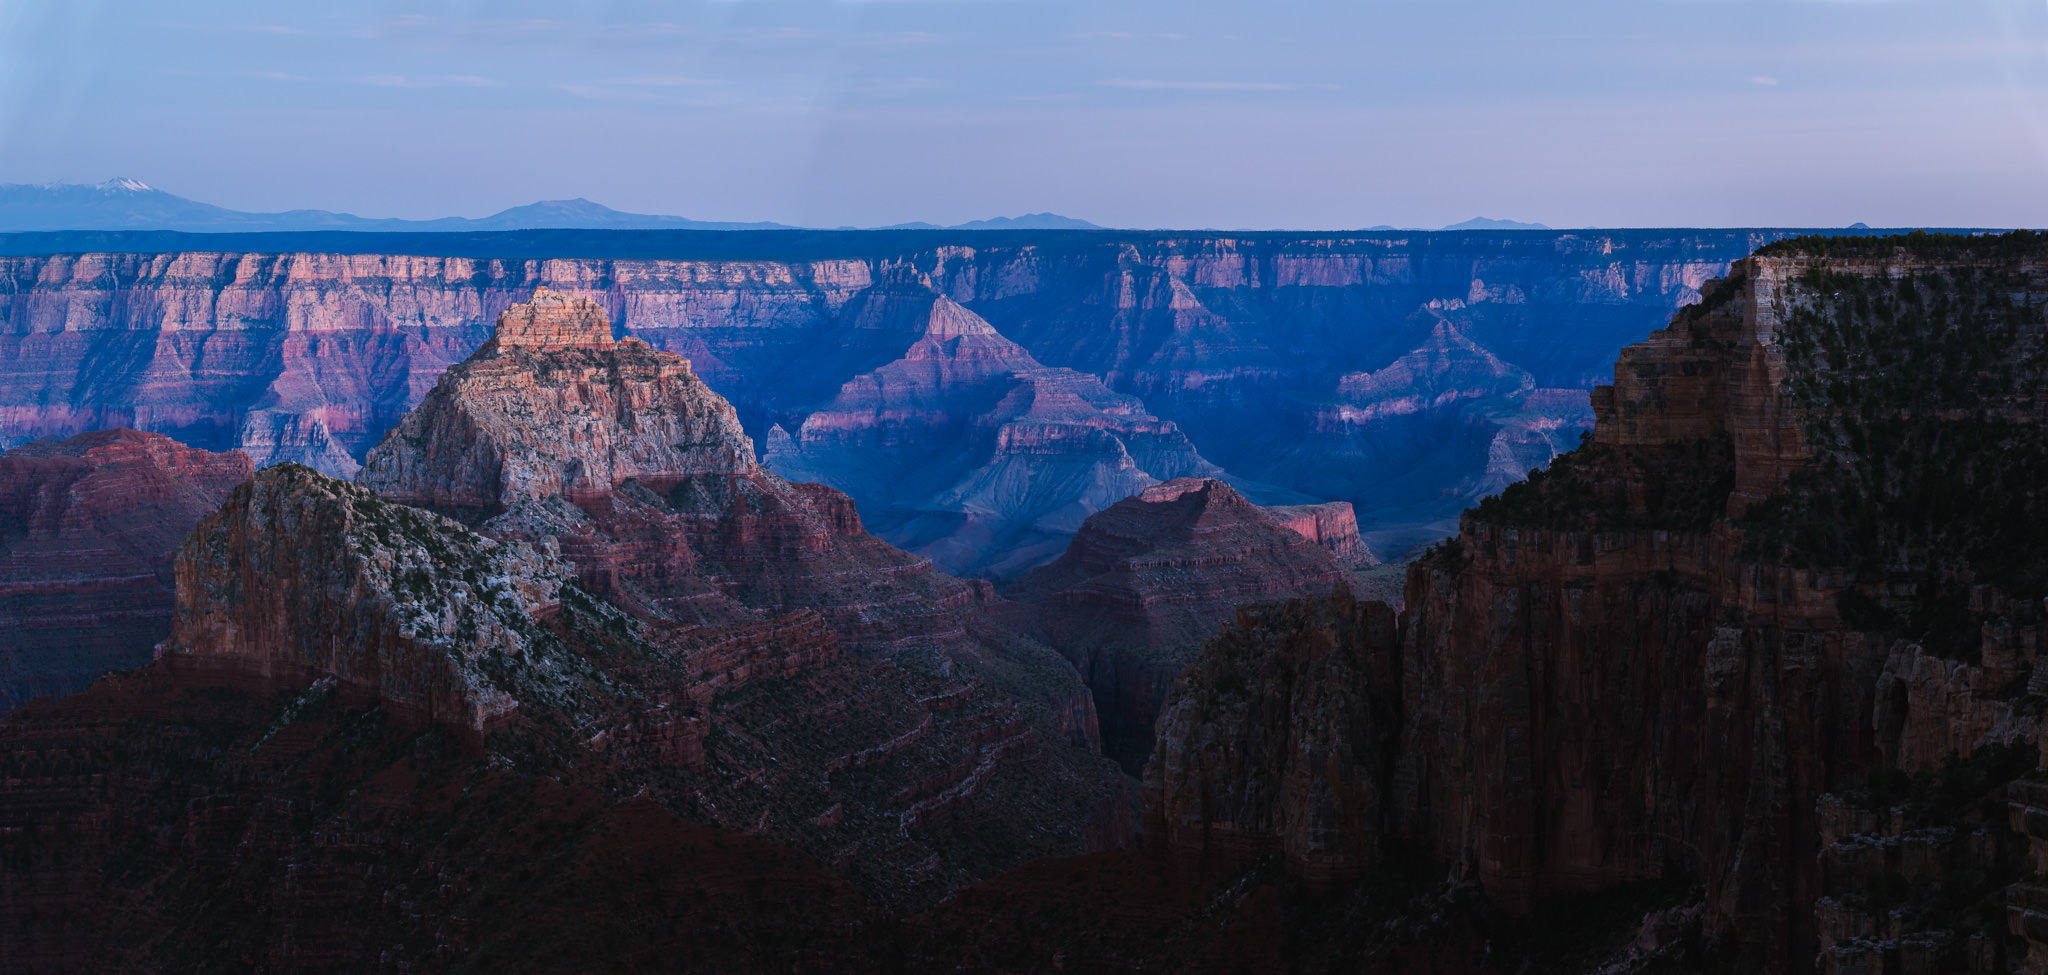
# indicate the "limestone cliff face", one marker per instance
pixel 1780 611
pixel 89 527
pixel 1151 577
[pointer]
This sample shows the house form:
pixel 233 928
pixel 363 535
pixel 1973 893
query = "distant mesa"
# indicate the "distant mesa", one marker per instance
pixel 1029 221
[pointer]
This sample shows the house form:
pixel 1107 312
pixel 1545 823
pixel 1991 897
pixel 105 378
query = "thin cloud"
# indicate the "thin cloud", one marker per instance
pixel 661 81
pixel 1120 35
pixel 265 75
pixel 882 37
pixel 702 94
pixel 1154 84
pixel 445 81
pixel 1765 80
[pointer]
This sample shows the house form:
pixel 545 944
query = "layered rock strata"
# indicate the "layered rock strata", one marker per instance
pixel 315 594
pixel 1239 341
pixel 1151 577
pixel 89 527
pixel 1772 626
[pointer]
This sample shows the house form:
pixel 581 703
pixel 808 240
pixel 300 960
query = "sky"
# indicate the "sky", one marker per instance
pixel 1265 114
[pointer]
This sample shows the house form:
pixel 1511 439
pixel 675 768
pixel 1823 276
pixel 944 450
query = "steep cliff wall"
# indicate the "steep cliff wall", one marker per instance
pixel 89 527
pixel 1241 344
pixel 1776 619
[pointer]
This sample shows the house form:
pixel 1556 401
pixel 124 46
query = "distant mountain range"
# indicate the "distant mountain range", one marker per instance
pixel 127 204
pixel 1476 223
pixel 1029 221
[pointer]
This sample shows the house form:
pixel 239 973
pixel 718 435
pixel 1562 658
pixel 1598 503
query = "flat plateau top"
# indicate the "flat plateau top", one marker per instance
pixel 787 245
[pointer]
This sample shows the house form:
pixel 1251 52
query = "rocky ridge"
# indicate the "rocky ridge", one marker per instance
pixel 89 527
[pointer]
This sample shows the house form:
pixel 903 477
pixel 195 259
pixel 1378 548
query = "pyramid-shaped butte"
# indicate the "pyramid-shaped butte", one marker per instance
pixel 971 452
pixel 627 461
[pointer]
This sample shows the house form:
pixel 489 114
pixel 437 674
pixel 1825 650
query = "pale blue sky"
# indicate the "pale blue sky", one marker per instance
pixel 1145 113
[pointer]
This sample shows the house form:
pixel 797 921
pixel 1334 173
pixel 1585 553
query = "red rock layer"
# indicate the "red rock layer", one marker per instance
pixel 1148 579
pixel 88 530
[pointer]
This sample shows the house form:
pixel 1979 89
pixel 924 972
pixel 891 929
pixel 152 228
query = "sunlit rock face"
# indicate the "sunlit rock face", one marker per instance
pixel 300 577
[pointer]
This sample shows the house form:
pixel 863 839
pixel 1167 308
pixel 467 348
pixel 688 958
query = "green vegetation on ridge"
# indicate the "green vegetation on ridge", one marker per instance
pixel 1929 454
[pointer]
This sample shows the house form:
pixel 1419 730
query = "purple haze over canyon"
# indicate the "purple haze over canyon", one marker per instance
pixel 1321 114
